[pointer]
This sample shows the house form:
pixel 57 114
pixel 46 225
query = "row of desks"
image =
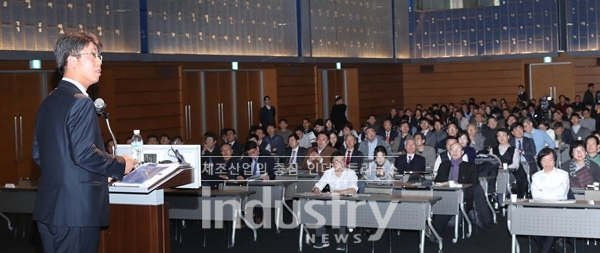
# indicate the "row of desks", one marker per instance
pixel 571 219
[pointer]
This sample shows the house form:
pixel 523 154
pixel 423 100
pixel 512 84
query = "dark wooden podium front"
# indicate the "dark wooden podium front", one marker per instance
pixel 140 228
pixel 136 228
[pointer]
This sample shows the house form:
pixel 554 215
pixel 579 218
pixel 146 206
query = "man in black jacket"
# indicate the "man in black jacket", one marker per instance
pixel 588 96
pixel 460 172
pixel 267 113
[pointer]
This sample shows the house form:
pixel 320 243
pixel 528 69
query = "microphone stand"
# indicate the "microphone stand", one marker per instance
pixel 106 116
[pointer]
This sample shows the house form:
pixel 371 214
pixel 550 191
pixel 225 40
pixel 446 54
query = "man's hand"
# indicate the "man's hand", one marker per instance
pixel 130 163
pixel 316 191
pixel 315 156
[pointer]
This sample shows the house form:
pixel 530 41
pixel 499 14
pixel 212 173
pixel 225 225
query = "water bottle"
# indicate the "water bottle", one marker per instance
pixel 137 146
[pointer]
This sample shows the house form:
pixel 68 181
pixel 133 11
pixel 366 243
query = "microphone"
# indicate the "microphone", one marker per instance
pixel 100 105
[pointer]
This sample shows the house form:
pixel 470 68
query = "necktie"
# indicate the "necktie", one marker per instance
pixel 454 172
pixel 293 157
pixel 348 157
pixel 255 171
pixel 409 159
pixel 520 147
pixel 387 137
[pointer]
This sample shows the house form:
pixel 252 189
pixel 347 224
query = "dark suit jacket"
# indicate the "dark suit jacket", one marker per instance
pixel 416 164
pixel 238 148
pixel 528 148
pixel 522 97
pixel 68 146
pixel 209 161
pixel 267 116
pixel 356 160
pixel 467 174
pixel 264 160
pixel 431 139
pixel 567 137
pixel 393 134
pixel 287 154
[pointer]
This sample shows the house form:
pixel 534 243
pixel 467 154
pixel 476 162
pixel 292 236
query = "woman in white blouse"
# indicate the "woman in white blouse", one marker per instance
pixel 550 183
pixel 341 180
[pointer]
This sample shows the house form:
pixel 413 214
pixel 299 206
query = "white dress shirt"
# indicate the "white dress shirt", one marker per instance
pixel 347 180
pixel 550 186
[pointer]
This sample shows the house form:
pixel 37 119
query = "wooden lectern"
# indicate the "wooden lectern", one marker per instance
pixel 139 217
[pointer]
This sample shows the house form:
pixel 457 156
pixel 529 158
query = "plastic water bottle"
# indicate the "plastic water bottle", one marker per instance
pixel 137 146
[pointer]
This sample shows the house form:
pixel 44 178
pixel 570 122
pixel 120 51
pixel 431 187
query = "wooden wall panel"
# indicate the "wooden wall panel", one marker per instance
pixel 585 71
pixel 294 106
pixel 147 97
pixel 453 82
pixel 380 89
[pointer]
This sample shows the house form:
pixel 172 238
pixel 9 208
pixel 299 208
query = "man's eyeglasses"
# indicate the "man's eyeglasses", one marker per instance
pixel 338 161
pixel 96 55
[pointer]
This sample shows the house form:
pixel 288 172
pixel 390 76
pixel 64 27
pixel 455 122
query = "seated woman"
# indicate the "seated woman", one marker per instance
pixel 341 180
pixel 465 142
pixel 334 141
pixel 380 169
pixel 549 183
pixel 582 171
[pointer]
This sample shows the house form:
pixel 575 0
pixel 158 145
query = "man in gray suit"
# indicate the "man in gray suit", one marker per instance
pixel 372 140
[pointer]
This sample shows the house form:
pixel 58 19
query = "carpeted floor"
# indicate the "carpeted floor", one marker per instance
pixel 191 238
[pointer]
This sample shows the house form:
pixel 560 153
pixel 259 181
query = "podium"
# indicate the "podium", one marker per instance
pixel 139 217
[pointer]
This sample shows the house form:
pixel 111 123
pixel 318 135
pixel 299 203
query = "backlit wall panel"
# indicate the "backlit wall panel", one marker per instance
pixel 514 27
pixel 36 25
pixel 223 27
pixel 584 30
pixel 357 28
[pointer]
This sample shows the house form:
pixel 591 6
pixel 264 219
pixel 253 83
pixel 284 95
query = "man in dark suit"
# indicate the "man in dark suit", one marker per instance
pixel 238 147
pixel 72 198
pixel 410 161
pixel 227 166
pixel 387 133
pixel 353 157
pixel 526 148
pixel 522 95
pixel 427 131
pixel 458 171
pixel 294 154
pixel 208 159
pixel 256 164
pixel 267 113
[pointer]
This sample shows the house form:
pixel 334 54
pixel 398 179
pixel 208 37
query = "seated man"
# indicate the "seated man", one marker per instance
pixel 318 158
pixel 294 154
pixel 461 172
pixel 354 160
pixel 256 164
pixel 410 161
pixel 525 147
pixel 341 180
pixel 428 152
pixel 549 183
pixel 446 156
pixel 367 147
